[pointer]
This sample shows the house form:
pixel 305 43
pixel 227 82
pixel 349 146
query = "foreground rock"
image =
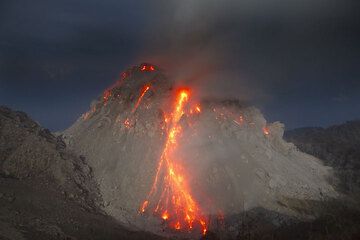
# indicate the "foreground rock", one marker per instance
pixel 29 151
pixel 46 191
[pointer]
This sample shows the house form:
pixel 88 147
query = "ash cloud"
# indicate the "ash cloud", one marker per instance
pixel 252 50
pixel 267 52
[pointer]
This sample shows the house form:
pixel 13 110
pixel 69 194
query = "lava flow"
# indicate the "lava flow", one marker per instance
pixel 175 203
pixel 143 91
pixel 146 67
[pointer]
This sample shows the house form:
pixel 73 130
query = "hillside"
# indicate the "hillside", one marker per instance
pixel 47 191
pixel 338 146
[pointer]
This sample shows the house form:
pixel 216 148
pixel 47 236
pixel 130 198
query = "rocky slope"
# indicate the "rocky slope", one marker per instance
pixel 245 178
pixel 231 158
pixel 46 191
pixel 36 206
pixel 29 151
pixel 338 146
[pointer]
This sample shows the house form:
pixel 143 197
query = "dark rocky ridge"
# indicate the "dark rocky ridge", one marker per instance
pixel 46 191
pixel 29 151
pixel 338 146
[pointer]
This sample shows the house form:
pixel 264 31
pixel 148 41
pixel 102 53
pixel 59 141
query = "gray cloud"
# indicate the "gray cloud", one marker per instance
pixel 246 49
pixel 267 52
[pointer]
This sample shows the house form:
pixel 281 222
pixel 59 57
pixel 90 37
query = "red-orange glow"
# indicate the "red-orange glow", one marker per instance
pixel 144 205
pixel 198 109
pixel 123 76
pixel 142 94
pixel 107 93
pixel 177 226
pixel 266 130
pixel 204 229
pixel 165 215
pixel 176 202
pixel 127 124
pixel 148 68
pixel 106 96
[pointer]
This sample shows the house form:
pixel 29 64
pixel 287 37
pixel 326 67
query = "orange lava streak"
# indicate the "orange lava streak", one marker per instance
pixel 144 206
pixel 198 109
pixel 149 68
pixel 143 91
pixel 266 130
pixel 107 94
pixel 177 205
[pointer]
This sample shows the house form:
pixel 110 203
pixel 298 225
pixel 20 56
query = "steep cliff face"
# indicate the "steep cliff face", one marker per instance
pixel 155 147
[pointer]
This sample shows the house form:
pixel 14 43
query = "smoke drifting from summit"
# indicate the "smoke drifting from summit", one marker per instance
pixel 241 49
pixel 269 52
pixel 191 44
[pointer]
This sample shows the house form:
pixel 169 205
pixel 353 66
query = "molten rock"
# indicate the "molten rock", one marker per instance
pixel 164 160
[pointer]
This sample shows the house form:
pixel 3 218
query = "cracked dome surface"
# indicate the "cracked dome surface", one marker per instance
pixel 232 159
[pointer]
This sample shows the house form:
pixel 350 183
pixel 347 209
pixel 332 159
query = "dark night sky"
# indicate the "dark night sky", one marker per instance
pixel 298 60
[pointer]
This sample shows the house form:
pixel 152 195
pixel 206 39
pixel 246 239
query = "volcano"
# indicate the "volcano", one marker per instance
pixel 169 162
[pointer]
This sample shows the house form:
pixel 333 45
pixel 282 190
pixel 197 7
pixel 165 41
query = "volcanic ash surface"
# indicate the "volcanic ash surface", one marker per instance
pixel 165 160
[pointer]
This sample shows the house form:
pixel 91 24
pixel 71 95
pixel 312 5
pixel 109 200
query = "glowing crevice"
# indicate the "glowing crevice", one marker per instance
pixel 175 203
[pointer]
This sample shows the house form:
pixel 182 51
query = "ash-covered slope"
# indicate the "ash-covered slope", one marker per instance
pixel 338 146
pixel 46 191
pixel 229 158
pixel 29 151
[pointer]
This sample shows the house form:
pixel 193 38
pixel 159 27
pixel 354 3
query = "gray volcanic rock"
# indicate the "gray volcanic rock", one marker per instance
pixel 338 146
pixel 46 191
pixel 29 151
pixel 233 159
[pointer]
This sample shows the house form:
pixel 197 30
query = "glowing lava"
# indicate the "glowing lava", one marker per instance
pixel 143 91
pixel 148 68
pixel 127 123
pixel 175 203
pixel 106 96
pixel 266 130
pixel 198 109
